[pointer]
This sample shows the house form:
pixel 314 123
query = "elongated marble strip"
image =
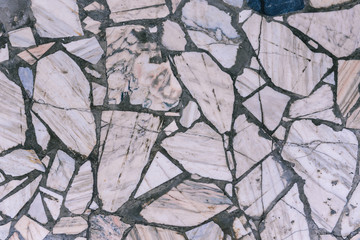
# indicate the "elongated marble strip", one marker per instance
pixel 187 204
pixel 126 141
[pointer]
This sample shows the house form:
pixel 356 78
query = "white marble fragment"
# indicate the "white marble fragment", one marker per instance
pixel 12 114
pixel 161 170
pixel 81 190
pixel 5 230
pixel 61 171
pixel 188 204
pixel 4 53
pixel 37 210
pixel 173 37
pixel 94 6
pixel 235 3
pixel 354 120
pixel 189 114
pixel 313 44
pixel 289 63
pixel 172 114
pixel 33 54
pixel 8 187
pixel 57 18
pixel 241 231
pixel 11 205
pixel 330 79
pixel 214 34
pixel 249 146
pixel 15 236
pixel 260 187
pixel 336 31
pixel 88 49
pixel 106 227
pixel 280 133
pixel 175 4
pixel 127 140
pixel 348 83
pixel 53 202
pixel 153 29
pixel 326 159
pixel 91 25
pixel 318 105
pixel 244 15
pixel 229 189
pixel 254 64
pixel 62 101
pixel 99 94
pixel 70 225
pixel 2 178
pixel 191 149
pixel 22 37
pixel 268 106
pixel 208 231
pixel 287 219
pixel 94 206
pixel 131 71
pixel 93 73
pixel 211 87
pixel 172 127
pixel 20 162
pixel 351 219
pixel 41 133
pixel 330 237
pixel 133 10
pixel 248 82
pixel 30 230
pixel 327 3
pixel 140 232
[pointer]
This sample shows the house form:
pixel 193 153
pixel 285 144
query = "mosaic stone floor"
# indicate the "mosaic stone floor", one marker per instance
pixel 179 120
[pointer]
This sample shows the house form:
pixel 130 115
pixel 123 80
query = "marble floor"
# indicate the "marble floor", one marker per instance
pixel 179 119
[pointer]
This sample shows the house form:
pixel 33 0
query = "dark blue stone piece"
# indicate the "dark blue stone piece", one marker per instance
pixel 276 7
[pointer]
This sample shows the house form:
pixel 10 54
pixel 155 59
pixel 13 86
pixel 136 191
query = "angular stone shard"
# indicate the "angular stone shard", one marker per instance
pixel 241 230
pixel 22 37
pixel 318 105
pixel 173 37
pixel 138 70
pixel 92 25
pixel 33 54
pixel 328 3
pixel 209 231
pixel 106 227
pixel 12 114
pixel 327 28
pixel 351 219
pixel 348 84
pixel 4 230
pixel 249 147
pixel 211 87
pixel 260 188
pixel 268 106
pixel 61 171
pixel 287 219
pixel 127 140
pixel 57 19
pixel 99 93
pixel 327 161
pixel 30 230
pixel 53 202
pixel 27 80
pixel 81 190
pixel 235 3
pixel 189 114
pixel 214 34
pixel 88 49
pixel 187 204
pixel 133 10
pixel 140 232
pixel 41 133
pixel 37 210
pixel 8 187
pixel 94 6
pixel 248 82
pixel 4 53
pixel 161 170
pixel 172 127
pixel 70 225
pixel 20 162
pixel 62 100
pixel 191 149
pixel 290 64
pixel 15 236
pixel 11 205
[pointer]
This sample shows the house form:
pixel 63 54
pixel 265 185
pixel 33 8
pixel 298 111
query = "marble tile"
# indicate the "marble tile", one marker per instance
pixel 88 49
pixel 187 204
pixel 173 37
pixel 107 227
pixel 127 140
pixel 4 230
pixel 30 230
pixel 57 19
pixel 321 4
pixel 31 55
pixel 4 53
pixel 22 37
pixel 37 211
pixel 248 82
pixel 210 231
pixel 289 63
pixel 41 133
pixel 211 87
pixel 61 171
pixel 91 25
pixel 152 233
pixel 189 114
pixel 70 225
pixel 53 202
